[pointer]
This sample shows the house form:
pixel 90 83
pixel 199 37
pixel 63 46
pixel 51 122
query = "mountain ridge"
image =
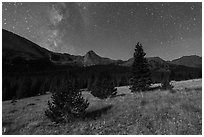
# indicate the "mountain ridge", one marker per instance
pixel 190 61
pixel 28 69
pixel 15 46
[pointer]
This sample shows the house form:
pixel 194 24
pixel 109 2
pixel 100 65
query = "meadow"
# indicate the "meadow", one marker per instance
pixel 157 112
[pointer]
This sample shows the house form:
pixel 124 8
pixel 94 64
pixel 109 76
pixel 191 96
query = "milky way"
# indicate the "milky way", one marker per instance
pixel 168 30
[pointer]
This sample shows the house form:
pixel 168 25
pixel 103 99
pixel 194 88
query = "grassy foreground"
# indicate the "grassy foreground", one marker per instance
pixel 154 112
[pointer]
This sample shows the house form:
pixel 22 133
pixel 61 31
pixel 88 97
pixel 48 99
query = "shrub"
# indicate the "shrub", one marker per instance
pixel 103 89
pixel 13 101
pixel 166 85
pixel 166 80
pixel 67 104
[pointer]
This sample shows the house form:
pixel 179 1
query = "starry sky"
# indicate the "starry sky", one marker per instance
pixel 168 30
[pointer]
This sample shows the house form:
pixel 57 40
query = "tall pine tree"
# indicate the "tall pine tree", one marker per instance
pixel 141 76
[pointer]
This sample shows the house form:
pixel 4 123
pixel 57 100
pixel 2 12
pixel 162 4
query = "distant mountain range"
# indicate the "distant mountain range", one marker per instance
pixel 15 47
pixel 190 61
pixel 28 69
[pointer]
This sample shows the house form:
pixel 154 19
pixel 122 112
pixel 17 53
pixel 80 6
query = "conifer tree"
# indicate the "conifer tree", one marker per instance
pixel 67 103
pixel 104 86
pixel 165 79
pixel 141 76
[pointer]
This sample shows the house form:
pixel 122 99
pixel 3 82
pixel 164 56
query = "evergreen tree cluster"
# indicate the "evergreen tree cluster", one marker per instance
pixel 39 82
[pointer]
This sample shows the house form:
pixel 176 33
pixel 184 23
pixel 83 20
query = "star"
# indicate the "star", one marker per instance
pixel 187 28
pixel 95 26
pixel 28 10
pixel 192 8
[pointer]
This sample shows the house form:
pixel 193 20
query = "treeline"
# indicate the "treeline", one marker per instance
pixel 27 83
pixel 38 79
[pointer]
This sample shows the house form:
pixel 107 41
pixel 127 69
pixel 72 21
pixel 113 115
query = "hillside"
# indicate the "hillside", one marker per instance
pixel 156 112
pixel 14 46
pixel 189 61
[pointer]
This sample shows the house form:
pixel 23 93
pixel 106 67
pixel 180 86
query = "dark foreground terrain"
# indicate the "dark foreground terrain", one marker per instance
pixel 156 112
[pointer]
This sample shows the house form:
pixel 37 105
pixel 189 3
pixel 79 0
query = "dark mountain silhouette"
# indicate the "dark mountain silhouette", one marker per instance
pixel 189 61
pixel 91 58
pixel 129 62
pixel 15 47
pixel 154 62
pixel 28 69
pixel 157 62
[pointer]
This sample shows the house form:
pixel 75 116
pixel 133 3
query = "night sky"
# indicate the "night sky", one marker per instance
pixel 167 30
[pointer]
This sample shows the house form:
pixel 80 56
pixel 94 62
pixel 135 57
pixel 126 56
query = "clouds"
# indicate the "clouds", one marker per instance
pixel 55 16
pixel 65 29
pixel 67 26
pixel 56 38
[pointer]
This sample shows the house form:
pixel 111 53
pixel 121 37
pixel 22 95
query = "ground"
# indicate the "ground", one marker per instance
pixel 178 111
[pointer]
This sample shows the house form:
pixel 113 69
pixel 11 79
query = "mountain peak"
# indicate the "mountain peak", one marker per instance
pixel 91 52
pixel 158 59
pixel 91 58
